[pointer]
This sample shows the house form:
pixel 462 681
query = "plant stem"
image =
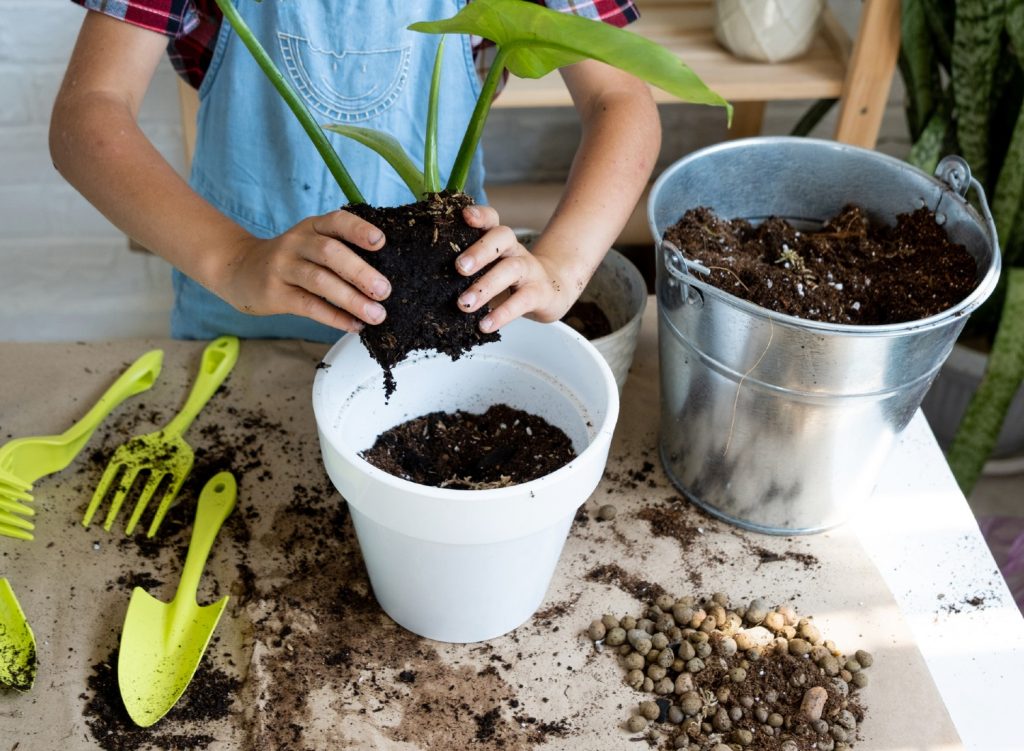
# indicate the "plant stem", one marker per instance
pixel 294 102
pixel 475 129
pixel 980 426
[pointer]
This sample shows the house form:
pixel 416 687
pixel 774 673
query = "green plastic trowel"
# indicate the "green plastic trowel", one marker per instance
pixel 17 644
pixel 163 643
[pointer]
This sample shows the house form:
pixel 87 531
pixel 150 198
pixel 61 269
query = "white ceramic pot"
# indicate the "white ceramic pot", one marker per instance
pixel 465 565
pixel 619 290
pixel 767 30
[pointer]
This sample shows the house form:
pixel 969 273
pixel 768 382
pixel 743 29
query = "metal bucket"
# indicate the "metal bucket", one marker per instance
pixel 775 423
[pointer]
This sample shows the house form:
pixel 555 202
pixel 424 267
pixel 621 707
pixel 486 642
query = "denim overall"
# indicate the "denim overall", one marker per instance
pixel 352 61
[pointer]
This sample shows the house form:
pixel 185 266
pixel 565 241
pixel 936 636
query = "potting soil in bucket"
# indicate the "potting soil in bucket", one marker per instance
pixel 465 565
pixel 778 423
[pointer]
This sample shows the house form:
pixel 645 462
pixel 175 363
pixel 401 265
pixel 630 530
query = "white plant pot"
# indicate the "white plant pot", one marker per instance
pixel 619 290
pixel 465 565
pixel 767 30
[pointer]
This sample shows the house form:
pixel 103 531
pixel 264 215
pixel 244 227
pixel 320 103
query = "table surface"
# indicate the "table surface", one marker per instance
pixel 917 531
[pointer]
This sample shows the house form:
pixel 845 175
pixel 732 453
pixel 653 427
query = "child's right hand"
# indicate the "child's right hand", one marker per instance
pixel 310 270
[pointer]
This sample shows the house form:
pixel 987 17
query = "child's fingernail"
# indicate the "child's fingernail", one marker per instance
pixel 487 325
pixel 466 263
pixel 375 236
pixel 373 312
pixel 473 211
pixel 468 300
pixel 380 287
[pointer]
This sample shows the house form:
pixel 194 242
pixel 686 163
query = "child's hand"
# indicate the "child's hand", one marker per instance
pixel 541 287
pixel 310 271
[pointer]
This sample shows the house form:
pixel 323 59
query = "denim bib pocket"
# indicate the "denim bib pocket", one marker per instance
pixel 337 85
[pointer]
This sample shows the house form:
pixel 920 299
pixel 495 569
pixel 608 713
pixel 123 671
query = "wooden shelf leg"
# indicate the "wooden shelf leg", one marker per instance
pixel 746 119
pixel 869 75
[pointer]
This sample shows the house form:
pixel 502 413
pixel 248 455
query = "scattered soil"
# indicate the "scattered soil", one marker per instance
pixel 611 573
pixel 20 668
pixel 851 271
pixel 588 319
pixel 185 728
pixel 503 446
pixel 422 241
pixel 722 687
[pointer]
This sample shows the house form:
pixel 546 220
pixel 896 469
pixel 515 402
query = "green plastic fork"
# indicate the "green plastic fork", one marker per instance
pixel 25 460
pixel 163 455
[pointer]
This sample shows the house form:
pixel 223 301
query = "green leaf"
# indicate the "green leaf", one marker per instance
pixel 940 15
pixel 538 40
pixel 1008 198
pixel 930 146
pixel 918 66
pixel 294 102
pixel 432 179
pixel 977 40
pixel 980 427
pixel 388 147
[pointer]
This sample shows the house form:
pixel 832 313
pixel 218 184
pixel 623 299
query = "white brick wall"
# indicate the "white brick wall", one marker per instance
pixel 36 39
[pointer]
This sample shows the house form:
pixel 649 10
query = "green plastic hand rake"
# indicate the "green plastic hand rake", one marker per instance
pixel 25 460
pixel 164 456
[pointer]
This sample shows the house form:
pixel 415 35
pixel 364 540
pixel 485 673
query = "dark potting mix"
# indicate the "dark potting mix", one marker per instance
pixel 588 319
pixel 503 446
pixel 850 271
pixel 422 241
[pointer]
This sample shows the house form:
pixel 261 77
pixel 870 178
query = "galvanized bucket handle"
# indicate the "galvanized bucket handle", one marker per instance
pixel 682 268
pixel 956 173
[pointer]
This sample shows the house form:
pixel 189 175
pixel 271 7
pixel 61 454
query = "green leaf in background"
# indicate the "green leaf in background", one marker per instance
pixel 388 147
pixel 1008 198
pixel 977 40
pixel 941 18
pixel 918 66
pixel 537 40
pixel 979 430
pixel 431 177
pixel 812 117
pixel 930 146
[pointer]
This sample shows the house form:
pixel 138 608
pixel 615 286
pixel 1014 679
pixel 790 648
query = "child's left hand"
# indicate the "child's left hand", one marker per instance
pixel 539 286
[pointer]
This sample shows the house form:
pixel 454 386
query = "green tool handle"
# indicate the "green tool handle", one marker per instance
pixel 139 377
pixel 219 358
pixel 216 501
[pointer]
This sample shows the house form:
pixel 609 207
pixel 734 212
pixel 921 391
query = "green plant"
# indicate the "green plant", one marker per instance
pixel 963 65
pixel 531 41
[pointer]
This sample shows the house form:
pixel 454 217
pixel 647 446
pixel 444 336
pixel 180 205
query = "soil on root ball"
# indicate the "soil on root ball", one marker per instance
pixel 422 241
pixel 851 271
pixel 503 446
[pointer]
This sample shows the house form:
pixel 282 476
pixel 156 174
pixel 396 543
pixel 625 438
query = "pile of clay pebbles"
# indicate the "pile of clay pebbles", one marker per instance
pixel 742 678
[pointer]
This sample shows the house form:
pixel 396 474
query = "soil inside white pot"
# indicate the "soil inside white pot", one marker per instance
pixel 503 446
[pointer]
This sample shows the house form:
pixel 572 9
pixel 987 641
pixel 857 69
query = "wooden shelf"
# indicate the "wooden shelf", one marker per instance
pixel 685 28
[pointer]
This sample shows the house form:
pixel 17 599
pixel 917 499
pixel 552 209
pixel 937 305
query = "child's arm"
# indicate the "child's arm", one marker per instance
pixel 97 145
pixel 617 153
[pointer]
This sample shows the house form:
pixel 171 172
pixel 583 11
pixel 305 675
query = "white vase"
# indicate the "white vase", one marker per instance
pixel 465 565
pixel 767 30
